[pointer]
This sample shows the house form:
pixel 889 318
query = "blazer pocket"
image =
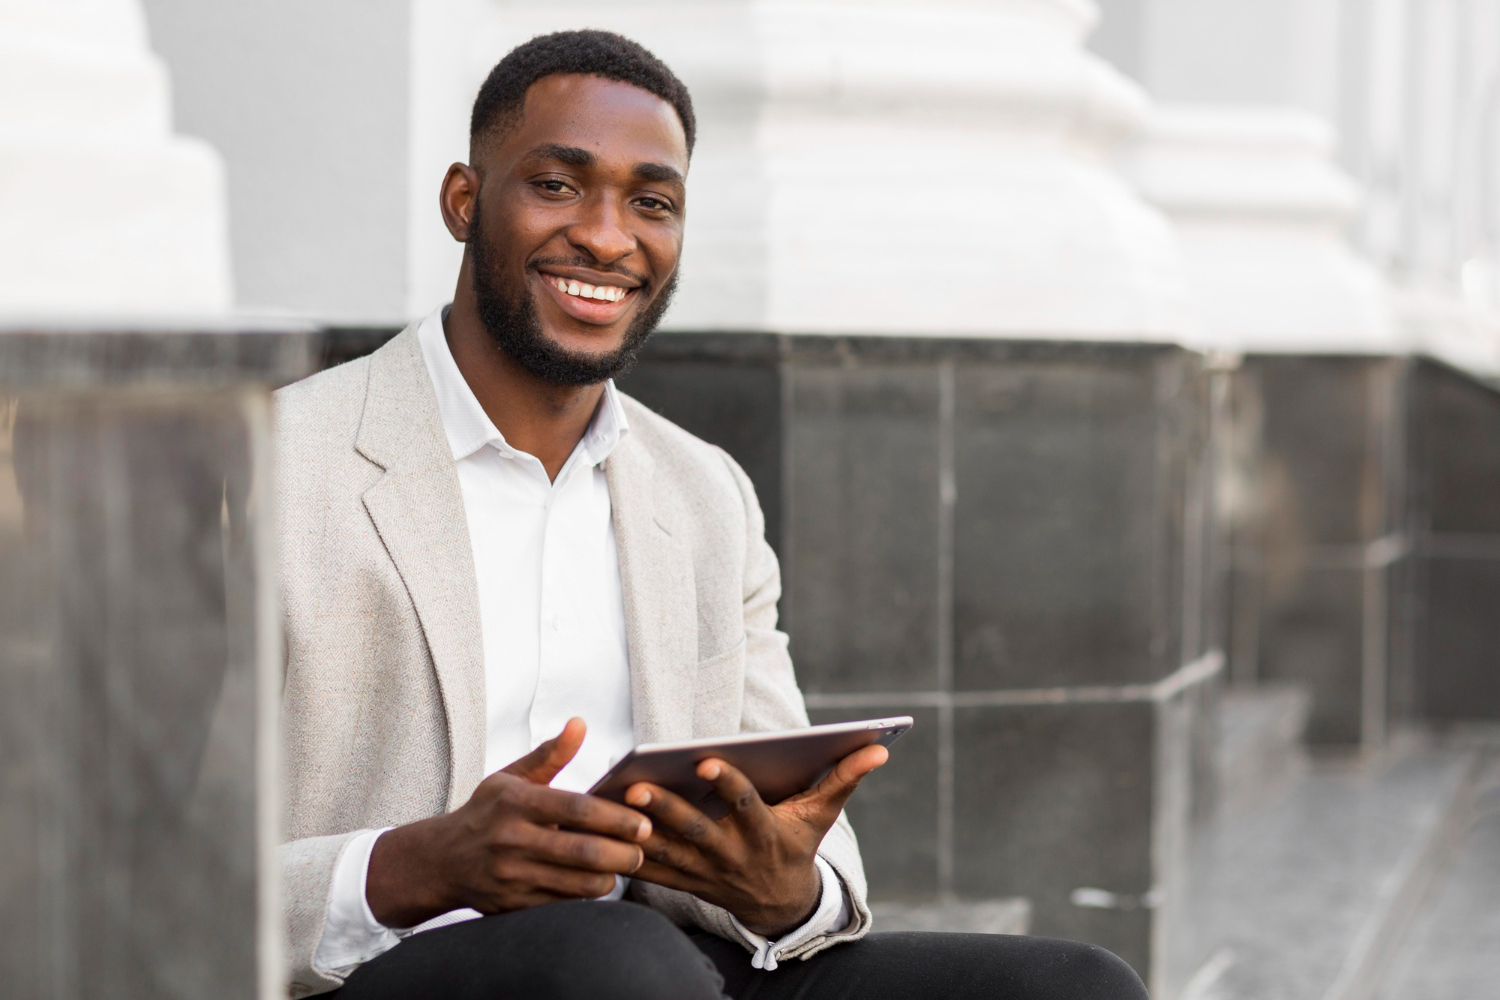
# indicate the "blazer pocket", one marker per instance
pixel 719 692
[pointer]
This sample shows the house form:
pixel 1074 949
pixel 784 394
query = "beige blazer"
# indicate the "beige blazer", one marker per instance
pixel 383 704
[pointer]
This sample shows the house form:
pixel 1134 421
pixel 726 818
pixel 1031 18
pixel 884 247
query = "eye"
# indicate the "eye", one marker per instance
pixel 554 185
pixel 653 205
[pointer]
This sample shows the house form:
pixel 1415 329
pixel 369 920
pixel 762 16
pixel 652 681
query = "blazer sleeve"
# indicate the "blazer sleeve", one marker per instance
pixel 306 879
pixel 772 701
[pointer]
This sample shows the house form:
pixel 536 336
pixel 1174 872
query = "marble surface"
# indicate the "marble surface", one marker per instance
pixel 995 916
pixel 89 357
pixel 138 659
pixel 1455 473
pixel 1284 897
pixel 1319 533
pixel 974 531
pixel 1453 949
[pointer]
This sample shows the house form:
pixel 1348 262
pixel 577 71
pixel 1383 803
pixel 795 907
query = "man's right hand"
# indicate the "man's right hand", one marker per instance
pixel 504 849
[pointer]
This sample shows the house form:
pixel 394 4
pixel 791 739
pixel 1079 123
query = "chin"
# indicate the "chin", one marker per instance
pixel 594 347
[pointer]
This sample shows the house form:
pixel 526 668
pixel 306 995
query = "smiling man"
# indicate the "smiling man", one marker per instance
pixel 500 574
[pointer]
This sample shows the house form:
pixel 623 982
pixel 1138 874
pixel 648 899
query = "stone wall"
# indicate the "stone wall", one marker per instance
pixel 139 665
pixel 1453 520
pixel 1364 551
pixel 1013 543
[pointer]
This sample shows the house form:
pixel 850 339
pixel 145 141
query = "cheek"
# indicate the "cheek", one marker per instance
pixel 663 251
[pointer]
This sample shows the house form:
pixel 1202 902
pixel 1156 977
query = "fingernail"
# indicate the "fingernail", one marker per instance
pixel 638 797
pixel 643 831
pixel 711 772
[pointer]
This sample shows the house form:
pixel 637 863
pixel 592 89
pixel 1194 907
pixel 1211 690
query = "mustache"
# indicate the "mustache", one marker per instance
pixel 642 282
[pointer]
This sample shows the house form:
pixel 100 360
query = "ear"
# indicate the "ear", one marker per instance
pixel 458 199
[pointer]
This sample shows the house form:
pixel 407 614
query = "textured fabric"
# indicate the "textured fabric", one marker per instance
pixel 620 951
pixel 565 951
pixel 913 966
pixel 351 934
pixel 552 615
pixel 384 697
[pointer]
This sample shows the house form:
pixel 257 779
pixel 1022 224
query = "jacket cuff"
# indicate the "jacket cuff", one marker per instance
pixel 831 916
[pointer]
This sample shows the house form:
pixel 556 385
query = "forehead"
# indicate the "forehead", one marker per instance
pixel 615 121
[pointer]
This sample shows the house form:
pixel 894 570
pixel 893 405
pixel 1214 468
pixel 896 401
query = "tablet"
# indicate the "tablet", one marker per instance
pixel 779 764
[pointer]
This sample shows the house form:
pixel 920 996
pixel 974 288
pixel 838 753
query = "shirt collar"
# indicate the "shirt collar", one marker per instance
pixel 466 425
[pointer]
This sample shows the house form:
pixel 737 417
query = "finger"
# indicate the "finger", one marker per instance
pixel 578 812
pixel 568 883
pixel 822 803
pixel 543 763
pixel 745 803
pixel 583 851
pixel 673 852
pixel 671 878
pixel 672 812
pixel 517 899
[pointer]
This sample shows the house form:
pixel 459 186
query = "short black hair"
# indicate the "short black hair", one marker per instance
pixel 589 52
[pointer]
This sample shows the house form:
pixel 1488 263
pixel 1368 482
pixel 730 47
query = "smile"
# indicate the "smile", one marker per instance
pixel 579 289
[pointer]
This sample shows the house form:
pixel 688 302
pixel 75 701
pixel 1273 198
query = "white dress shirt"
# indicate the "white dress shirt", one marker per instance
pixel 552 617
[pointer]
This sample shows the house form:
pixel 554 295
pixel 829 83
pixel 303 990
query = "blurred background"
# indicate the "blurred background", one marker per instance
pixel 1121 380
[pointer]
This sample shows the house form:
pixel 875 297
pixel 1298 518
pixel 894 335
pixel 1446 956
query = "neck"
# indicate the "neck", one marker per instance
pixel 538 417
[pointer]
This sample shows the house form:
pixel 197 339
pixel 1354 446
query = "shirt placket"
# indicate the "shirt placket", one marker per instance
pixel 551 611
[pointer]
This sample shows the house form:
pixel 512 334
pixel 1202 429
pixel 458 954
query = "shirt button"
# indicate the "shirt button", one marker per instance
pixel 556 624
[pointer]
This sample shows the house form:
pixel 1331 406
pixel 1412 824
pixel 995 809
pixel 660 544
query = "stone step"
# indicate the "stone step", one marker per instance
pixel 1305 894
pixel 1453 949
pixel 1259 745
pixel 990 916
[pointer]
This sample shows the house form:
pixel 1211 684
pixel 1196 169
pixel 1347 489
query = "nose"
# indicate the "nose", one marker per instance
pixel 600 230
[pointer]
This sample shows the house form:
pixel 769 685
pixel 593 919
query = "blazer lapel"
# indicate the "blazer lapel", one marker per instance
pixel 418 510
pixel 661 614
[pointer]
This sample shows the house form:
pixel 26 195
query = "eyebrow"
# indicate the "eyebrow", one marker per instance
pixel 659 172
pixel 575 156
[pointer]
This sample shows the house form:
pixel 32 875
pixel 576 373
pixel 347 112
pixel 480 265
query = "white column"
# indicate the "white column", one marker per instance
pixel 1261 211
pixel 1413 92
pixel 104 214
pixel 863 167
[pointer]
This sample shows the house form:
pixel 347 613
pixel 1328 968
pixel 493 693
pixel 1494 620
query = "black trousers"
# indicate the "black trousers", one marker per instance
pixel 622 951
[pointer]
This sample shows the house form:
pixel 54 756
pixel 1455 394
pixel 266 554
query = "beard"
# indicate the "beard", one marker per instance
pixel 511 318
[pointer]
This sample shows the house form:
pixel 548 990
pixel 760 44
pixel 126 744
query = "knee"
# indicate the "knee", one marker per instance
pixel 631 952
pixel 1094 972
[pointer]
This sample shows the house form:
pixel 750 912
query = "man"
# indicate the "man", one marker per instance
pixel 501 573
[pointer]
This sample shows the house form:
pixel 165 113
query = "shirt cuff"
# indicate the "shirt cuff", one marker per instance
pixel 831 916
pixel 351 934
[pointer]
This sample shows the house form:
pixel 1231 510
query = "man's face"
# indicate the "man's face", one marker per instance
pixel 574 241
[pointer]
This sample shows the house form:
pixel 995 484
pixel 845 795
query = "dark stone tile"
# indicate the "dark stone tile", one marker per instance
pixel 860 549
pixel 1322 482
pixel 736 406
pixel 1456 435
pixel 126 611
pixel 1403 617
pixel 1056 570
pixel 93 357
pixel 1052 798
pixel 894 812
pixel 1243 646
pixel 1312 632
pixel 1460 645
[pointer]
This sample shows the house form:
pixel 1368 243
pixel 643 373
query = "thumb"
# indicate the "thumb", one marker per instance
pixel 821 804
pixel 542 764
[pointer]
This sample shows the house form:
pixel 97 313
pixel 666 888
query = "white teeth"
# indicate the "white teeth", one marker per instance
pixel 600 293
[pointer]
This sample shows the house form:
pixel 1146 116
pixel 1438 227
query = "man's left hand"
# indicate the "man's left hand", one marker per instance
pixel 757 861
